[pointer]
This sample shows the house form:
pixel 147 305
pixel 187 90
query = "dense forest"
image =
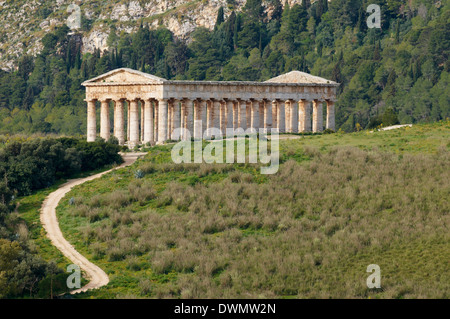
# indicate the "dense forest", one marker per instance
pixel 401 69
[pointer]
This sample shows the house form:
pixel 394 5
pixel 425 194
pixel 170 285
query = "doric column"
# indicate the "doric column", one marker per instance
pixel 308 123
pixel 198 118
pixel 148 121
pixel 294 116
pixel 105 124
pixel 182 118
pixel 301 116
pixel 261 114
pixel 236 113
pixel 209 118
pixel 267 117
pixel 162 121
pixel 248 114
pixel 254 123
pixel 204 114
pixel 128 120
pixel 230 112
pixel 287 118
pixel 215 114
pixel 134 123
pixel 189 117
pixel 304 116
pixel 169 118
pixel 175 117
pixel 119 127
pixel 91 121
pixel 281 117
pixel 317 116
pixel 275 114
pixel 331 115
pixel 223 118
pixel 142 120
pixel 242 117
pixel 156 121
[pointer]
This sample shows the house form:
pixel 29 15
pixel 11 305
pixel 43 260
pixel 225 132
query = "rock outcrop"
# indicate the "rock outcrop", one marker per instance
pixel 24 23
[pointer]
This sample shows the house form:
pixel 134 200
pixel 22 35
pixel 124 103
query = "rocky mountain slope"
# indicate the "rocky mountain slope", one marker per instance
pixel 23 23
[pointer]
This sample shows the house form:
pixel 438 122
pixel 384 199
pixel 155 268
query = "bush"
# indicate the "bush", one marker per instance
pixel 36 164
pixel 139 174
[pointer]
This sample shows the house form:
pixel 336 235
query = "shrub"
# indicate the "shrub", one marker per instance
pixel 138 174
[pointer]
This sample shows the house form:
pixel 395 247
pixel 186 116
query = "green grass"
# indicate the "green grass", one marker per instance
pixel 28 211
pixel 339 203
pixel 421 138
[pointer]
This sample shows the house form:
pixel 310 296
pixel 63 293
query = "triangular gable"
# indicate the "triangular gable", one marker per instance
pixel 299 77
pixel 125 75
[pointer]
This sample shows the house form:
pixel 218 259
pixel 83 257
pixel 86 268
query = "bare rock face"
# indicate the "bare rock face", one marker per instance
pixel 135 10
pixel 23 23
pixel 95 40
pixel 120 12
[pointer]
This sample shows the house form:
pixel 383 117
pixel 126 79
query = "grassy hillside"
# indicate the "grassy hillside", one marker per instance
pixel 339 203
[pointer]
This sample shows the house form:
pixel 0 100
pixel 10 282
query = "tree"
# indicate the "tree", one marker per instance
pixel 337 75
pixel 293 24
pixel 389 118
pixel 26 66
pixel 254 10
pixel 176 54
pixel 306 4
pixel 220 18
pixel 277 10
pixel 9 255
pixel 113 40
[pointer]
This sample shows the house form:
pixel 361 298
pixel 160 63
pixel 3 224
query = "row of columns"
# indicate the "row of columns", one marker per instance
pixel 159 118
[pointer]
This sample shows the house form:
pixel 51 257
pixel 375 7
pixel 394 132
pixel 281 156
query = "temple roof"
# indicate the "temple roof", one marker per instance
pixel 130 76
pixel 125 75
pixel 299 77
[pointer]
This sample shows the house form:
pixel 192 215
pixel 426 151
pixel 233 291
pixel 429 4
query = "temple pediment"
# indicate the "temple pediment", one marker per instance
pixel 299 77
pixel 125 76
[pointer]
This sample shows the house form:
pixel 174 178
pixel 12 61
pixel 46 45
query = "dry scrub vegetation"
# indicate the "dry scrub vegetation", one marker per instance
pixel 310 231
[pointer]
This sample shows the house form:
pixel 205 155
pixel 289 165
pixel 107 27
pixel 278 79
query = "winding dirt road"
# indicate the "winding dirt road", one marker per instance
pixel 97 277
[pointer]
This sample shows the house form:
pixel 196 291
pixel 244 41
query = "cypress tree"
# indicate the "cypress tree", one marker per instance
pixel 118 60
pixel 397 32
pixel 237 28
pixel 229 31
pixel 306 3
pixel 319 10
pixel 319 49
pixel 361 25
pixel 376 53
pixel 68 59
pixel 277 10
pixel 78 59
pixel 84 70
pixel 220 18
pixel 390 85
pixel 336 75
pixel 111 60
pixel 28 98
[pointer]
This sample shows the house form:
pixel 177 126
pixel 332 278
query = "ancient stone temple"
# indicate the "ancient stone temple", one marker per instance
pixel 148 109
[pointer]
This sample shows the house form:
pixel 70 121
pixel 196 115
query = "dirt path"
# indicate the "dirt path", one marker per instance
pixel 97 276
